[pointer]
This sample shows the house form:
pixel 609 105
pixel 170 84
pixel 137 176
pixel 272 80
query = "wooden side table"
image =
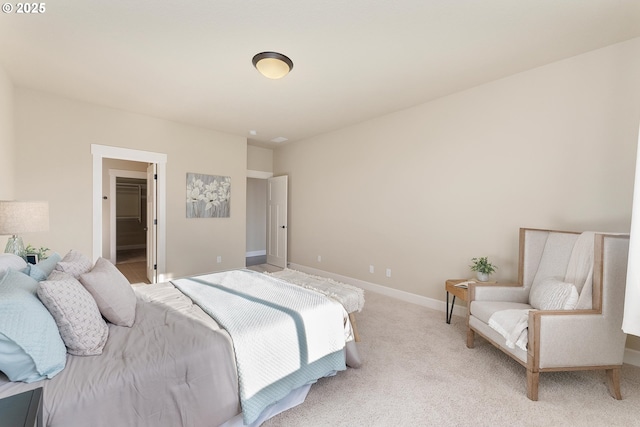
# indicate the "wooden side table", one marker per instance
pixel 456 291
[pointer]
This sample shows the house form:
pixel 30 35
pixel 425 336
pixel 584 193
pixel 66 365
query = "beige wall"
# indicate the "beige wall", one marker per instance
pixel 259 159
pixel 424 190
pixel 7 143
pixel 54 163
pixel 6 137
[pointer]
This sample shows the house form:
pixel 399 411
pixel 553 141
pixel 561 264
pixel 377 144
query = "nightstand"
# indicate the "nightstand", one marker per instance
pixel 22 410
pixel 456 291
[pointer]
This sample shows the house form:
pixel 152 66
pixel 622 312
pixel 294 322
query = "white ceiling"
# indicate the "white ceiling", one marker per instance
pixel 190 61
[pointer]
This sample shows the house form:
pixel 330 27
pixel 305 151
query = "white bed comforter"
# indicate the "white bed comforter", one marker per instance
pixel 284 336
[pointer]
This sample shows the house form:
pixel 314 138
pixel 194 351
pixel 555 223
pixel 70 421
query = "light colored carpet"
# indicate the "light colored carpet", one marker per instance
pixel 417 371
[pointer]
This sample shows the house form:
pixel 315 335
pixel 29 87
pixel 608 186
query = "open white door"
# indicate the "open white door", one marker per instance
pixel 152 221
pixel 277 221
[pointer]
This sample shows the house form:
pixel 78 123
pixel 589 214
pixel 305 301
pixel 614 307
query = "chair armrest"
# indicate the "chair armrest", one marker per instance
pixel 558 338
pixel 510 292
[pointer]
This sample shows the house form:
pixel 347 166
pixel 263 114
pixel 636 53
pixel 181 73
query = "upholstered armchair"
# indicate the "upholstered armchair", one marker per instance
pixel 565 312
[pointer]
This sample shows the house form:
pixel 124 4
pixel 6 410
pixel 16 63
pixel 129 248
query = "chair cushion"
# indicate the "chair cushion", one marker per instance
pixel 553 294
pixel 484 309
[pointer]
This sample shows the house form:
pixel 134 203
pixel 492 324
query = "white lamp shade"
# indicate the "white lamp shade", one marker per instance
pixel 23 217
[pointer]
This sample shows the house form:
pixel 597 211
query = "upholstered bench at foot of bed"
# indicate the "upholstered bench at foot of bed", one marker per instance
pixel 351 297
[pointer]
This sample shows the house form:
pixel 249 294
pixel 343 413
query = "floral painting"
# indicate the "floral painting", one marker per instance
pixel 208 196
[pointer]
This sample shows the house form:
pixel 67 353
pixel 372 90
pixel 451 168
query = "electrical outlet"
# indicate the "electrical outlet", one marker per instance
pixel 371 269
pixel 388 272
pixel 319 258
pixel 219 259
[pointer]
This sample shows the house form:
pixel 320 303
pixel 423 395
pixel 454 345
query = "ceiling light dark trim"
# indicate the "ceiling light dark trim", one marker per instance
pixel 272 55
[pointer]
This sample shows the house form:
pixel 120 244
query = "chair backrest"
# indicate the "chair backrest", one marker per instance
pixel 544 253
pixel 547 253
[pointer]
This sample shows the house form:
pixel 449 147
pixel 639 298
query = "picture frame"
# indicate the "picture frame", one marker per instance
pixel 208 196
pixel 32 258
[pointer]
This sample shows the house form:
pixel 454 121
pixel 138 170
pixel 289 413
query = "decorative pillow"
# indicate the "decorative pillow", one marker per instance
pixel 112 291
pixel 81 326
pixel 74 263
pixel 8 261
pixel 30 345
pixel 20 280
pixel 553 294
pixel 43 269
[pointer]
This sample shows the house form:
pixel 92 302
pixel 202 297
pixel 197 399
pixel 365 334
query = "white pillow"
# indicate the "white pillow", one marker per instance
pixel 553 294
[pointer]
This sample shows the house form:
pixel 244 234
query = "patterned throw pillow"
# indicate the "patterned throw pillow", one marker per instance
pixel 76 313
pixel 74 263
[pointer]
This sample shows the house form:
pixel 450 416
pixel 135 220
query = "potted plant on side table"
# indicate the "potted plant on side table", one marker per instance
pixel 482 267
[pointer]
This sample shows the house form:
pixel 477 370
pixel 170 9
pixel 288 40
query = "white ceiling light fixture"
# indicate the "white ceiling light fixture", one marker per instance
pixel 272 65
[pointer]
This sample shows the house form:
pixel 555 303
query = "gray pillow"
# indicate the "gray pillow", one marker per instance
pixel 112 292
pixel 81 326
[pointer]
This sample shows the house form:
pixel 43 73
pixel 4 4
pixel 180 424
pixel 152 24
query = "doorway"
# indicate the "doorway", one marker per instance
pixel 256 251
pixel 128 220
pixel 102 246
pixel 267 227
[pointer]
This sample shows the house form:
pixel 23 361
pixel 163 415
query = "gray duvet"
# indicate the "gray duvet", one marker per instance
pixel 167 370
pixel 175 367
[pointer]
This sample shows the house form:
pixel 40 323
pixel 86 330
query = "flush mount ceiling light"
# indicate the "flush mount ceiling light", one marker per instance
pixel 272 65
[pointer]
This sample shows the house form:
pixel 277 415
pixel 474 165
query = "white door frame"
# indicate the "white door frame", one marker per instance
pixel 101 152
pixel 113 174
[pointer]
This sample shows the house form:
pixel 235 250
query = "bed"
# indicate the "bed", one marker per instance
pixel 177 366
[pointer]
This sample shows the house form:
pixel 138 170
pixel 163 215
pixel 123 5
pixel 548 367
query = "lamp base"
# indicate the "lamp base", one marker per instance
pixel 15 246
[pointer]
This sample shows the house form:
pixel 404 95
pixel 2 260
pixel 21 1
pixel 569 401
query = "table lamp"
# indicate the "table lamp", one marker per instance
pixel 22 217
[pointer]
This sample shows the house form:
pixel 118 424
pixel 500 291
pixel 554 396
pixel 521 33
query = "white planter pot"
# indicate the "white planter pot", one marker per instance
pixel 483 277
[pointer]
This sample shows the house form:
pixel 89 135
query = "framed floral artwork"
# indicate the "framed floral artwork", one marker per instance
pixel 208 196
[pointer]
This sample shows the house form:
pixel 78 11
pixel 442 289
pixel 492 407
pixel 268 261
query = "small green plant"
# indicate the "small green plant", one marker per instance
pixel 482 265
pixel 42 252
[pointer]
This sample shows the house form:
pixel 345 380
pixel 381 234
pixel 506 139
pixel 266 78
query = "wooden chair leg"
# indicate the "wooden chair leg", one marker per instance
pixel 470 337
pixel 533 378
pixel 352 318
pixel 613 383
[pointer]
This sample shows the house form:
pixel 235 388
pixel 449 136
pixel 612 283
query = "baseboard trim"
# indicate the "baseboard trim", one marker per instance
pixel 256 253
pixel 126 247
pixel 631 357
pixel 384 290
